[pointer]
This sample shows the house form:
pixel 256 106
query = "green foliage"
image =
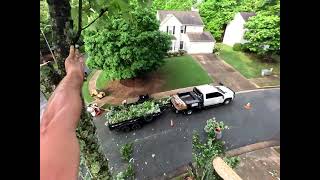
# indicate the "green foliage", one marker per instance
pixel 128 174
pixel 211 125
pixel 123 113
pixel 232 161
pixel 126 49
pixel 172 4
pixel 237 47
pixel 126 151
pixel 216 14
pixel 204 153
pixel 263 34
pixel 90 148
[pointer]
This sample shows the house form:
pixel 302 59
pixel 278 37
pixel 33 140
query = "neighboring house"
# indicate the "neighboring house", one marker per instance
pixel 186 28
pixel 235 30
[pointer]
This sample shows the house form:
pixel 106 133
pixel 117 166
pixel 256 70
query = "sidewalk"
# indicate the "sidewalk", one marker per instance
pixel 262 164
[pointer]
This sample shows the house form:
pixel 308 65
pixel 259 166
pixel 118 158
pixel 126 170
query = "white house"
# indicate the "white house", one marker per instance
pixel 235 30
pixel 186 28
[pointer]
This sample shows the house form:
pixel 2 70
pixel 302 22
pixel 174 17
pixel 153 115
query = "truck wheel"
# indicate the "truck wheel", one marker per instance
pixel 227 101
pixel 135 126
pixel 125 129
pixel 189 112
pixel 176 111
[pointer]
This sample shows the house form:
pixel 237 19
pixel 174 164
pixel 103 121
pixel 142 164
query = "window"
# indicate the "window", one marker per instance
pixel 181 29
pixel 173 29
pixel 213 95
pixel 167 29
pixel 181 45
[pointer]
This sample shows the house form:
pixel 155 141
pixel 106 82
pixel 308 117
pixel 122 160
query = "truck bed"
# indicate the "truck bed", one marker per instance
pixel 189 97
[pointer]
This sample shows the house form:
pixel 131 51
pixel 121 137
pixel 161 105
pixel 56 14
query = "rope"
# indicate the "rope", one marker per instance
pixel 54 58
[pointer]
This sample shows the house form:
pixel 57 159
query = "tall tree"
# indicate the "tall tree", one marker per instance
pixel 263 32
pixel 62 26
pixel 217 14
pixel 172 4
pixel 127 48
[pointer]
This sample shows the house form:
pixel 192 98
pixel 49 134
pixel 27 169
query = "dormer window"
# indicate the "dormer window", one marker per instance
pixel 181 29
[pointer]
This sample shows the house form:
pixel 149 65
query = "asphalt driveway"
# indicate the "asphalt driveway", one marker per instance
pixel 172 145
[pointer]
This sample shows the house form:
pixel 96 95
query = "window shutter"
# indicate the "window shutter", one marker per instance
pixel 167 29
pixel 173 29
pixel 185 29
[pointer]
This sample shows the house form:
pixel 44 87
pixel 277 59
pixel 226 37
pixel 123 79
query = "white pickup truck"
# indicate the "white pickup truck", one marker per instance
pixel 201 97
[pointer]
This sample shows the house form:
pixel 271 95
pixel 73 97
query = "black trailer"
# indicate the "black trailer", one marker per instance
pixel 138 122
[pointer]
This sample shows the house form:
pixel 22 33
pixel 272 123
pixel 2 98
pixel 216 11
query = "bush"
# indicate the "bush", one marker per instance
pixel 182 52
pixel 126 151
pixel 237 47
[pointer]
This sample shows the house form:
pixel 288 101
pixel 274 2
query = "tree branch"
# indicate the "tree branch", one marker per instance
pixel 79 23
pixel 101 13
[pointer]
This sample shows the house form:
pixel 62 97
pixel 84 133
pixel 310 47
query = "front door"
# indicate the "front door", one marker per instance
pixel 213 98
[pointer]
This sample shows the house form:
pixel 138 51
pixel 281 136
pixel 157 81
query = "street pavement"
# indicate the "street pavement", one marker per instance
pixel 172 146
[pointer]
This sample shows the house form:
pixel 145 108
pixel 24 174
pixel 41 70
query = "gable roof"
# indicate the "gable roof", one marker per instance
pixel 200 37
pixel 185 17
pixel 246 15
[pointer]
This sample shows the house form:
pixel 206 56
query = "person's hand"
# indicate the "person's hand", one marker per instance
pixel 74 63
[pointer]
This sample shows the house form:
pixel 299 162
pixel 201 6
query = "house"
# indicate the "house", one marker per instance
pixel 186 30
pixel 235 30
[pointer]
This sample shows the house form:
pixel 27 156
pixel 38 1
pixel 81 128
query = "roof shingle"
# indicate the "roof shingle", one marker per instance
pixel 246 15
pixel 185 17
pixel 200 37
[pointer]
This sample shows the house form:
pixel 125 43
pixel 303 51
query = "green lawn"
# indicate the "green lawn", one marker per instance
pixel 85 89
pixel 102 81
pixel 183 71
pixel 248 66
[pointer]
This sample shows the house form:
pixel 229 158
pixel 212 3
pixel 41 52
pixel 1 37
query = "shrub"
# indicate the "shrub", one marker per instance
pixel 126 151
pixel 182 52
pixel 237 47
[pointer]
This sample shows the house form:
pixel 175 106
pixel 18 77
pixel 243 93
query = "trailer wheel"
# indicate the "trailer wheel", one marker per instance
pixel 135 126
pixel 148 119
pixel 125 129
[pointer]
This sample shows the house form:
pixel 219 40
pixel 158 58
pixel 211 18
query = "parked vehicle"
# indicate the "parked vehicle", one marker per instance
pixel 201 97
pixel 133 116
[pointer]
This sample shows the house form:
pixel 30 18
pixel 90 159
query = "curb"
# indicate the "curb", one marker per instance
pixel 258 89
pixel 252 147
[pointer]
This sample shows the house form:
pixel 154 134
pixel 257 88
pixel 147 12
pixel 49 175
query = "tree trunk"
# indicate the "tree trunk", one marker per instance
pixel 62 27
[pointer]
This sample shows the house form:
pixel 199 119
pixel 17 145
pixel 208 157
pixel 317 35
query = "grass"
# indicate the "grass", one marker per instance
pixel 85 89
pixel 102 81
pixel 248 65
pixel 183 71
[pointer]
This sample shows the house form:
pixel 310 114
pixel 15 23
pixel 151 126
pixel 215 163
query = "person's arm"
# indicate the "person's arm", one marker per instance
pixel 59 147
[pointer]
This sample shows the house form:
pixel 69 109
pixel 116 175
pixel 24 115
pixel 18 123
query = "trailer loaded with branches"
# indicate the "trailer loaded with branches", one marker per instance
pixel 133 116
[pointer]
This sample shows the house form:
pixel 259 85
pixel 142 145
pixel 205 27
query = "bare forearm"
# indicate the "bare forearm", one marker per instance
pixel 65 103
